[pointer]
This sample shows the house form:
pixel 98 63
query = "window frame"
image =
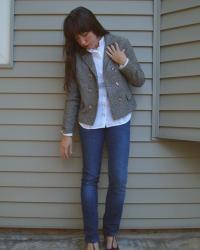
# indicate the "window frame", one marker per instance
pixel 156 71
pixel 6 33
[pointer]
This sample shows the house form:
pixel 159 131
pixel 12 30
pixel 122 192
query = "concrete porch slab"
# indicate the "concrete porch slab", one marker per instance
pixel 37 239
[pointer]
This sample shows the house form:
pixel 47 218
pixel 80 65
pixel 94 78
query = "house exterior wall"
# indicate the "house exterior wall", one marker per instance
pixel 37 187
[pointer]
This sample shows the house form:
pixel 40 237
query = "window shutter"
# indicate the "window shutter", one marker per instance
pixel 179 84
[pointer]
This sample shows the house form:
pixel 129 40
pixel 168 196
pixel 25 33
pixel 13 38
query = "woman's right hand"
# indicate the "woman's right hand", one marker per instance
pixel 66 147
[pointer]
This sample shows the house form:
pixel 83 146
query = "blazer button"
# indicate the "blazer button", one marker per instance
pixel 90 76
pixel 120 99
pixel 90 106
pixel 117 83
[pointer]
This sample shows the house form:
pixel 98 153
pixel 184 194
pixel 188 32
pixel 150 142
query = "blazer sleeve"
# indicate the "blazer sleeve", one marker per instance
pixel 132 71
pixel 71 109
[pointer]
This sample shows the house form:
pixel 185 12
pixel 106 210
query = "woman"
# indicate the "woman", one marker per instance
pixel 100 71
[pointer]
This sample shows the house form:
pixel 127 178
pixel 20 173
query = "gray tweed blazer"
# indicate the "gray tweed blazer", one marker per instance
pixel 82 97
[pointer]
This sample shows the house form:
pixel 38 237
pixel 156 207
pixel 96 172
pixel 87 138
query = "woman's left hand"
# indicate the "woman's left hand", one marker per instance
pixel 116 54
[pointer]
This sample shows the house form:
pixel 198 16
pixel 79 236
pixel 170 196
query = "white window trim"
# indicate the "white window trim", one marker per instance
pixel 6 33
pixel 156 70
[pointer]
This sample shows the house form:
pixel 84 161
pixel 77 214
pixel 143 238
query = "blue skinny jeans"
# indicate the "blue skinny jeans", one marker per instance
pixel 117 143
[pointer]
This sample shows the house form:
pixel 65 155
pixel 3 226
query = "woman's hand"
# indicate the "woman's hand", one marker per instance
pixel 66 147
pixel 116 54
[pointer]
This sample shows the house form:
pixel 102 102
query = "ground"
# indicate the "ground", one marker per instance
pixel 38 239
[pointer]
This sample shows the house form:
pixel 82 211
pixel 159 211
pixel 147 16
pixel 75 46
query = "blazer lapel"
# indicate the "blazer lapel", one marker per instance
pixel 87 58
pixel 106 58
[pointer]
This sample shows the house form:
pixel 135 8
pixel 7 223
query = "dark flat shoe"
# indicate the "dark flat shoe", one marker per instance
pixel 112 247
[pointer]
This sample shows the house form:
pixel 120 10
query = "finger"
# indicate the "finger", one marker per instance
pixel 66 153
pixel 117 46
pixel 63 155
pixel 62 152
pixel 109 54
pixel 109 49
pixel 113 47
pixel 70 150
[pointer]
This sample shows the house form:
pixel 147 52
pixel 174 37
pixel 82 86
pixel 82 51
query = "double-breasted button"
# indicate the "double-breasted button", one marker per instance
pixel 113 69
pixel 90 76
pixel 117 83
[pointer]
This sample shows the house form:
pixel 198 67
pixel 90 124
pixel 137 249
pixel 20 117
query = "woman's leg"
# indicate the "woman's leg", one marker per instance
pixel 92 141
pixel 118 143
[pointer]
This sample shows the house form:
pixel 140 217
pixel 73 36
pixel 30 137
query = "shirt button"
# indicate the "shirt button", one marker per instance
pixel 117 83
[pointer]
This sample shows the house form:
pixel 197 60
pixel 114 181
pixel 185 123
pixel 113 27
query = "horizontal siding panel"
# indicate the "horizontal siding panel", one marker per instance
pixel 49 69
pixel 181 18
pixel 174 5
pixel 63 7
pixel 50 85
pixel 180 35
pixel 31 117
pixel 53 37
pixel 147 211
pixel 54 117
pixel 52 133
pixel 177 102
pixel 32 101
pixel 38 54
pixel 52 101
pixel 184 85
pixel 136 165
pixel 180 133
pixel 77 223
pixel 72 195
pixel 180 68
pixel 180 52
pixel 55 54
pixel 141 117
pixel 72 180
pixel 34 69
pixel 32 85
pixel 185 119
pixel 55 22
pixel 39 38
pixel 69 180
pixel 138 149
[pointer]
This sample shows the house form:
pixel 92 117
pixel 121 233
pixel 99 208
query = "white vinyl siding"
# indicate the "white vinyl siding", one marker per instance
pixel 180 70
pixel 37 187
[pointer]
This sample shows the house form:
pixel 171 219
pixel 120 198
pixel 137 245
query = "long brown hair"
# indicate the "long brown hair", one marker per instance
pixel 78 21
